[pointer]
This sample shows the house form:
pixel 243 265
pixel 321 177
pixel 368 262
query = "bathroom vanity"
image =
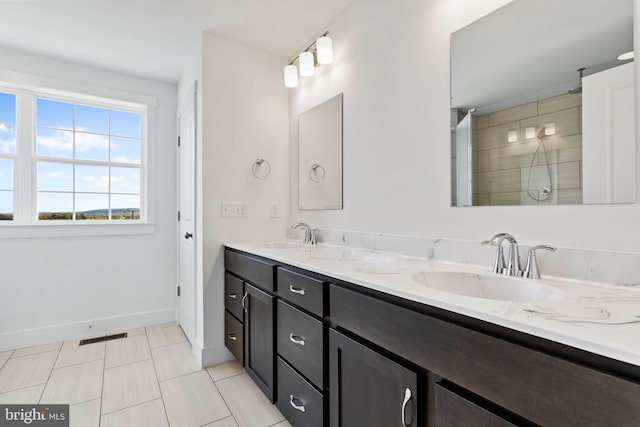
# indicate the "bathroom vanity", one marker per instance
pixel 336 336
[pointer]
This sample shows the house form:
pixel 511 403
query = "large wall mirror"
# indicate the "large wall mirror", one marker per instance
pixel 542 101
pixel 320 156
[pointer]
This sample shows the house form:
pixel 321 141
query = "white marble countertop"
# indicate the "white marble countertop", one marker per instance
pixel 598 318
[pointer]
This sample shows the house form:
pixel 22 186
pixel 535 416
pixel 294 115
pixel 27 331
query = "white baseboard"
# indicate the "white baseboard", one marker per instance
pixel 214 355
pixel 84 329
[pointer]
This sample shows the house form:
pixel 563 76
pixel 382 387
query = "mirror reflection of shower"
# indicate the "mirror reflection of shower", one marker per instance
pixel 543 193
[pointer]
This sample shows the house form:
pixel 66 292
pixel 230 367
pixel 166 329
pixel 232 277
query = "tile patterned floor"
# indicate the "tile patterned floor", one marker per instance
pixel 149 379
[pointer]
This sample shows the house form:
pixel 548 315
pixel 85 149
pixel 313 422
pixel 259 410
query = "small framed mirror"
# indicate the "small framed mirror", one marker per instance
pixel 320 156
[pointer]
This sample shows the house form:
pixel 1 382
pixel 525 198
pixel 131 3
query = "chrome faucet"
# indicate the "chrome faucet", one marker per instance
pixel 310 237
pixel 513 264
pixel 531 271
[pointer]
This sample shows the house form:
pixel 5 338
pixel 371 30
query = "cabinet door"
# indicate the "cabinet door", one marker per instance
pixel 368 389
pixel 259 339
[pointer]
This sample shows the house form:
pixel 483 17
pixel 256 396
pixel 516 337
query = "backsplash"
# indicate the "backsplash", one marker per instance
pixel 613 268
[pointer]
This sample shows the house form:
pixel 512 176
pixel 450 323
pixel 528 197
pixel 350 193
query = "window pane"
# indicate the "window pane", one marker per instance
pixel 55 177
pixel 7 138
pixel 125 180
pixel 92 119
pixel 92 179
pixel 56 206
pixel 54 114
pixel 6 205
pixel 6 174
pixel 7 107
pixel 125 150
pixel 90 146
pixel 54 143
pixel 125 124
pixel 125 206
pixel 92 206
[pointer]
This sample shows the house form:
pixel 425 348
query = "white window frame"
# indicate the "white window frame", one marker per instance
pixel 27 89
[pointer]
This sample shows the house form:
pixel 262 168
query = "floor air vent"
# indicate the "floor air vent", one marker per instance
pixel 105 338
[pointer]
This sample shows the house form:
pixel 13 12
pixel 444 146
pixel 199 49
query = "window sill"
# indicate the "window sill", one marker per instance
pixel 27 231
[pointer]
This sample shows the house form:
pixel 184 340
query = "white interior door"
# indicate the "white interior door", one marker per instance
pixel 187 216
pixel 608 136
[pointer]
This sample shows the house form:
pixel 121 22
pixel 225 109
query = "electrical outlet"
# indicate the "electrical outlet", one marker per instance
pixel 234 209
pixel 275 210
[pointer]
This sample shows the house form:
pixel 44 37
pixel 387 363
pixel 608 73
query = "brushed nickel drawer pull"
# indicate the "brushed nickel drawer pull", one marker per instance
pixel 407 398
pixel 298 407
pixel 295 290
pixel 232 337
pixel 244 301
pixel 296 339
pixel 234 296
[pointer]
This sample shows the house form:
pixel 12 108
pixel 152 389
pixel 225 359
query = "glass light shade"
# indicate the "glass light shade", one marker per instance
pixel 550 129
pixel 530 132
pixel 291 76
pixel 512 136
pixel 324 46
pixel 306 64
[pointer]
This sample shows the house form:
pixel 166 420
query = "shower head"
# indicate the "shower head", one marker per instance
pixel 542 132
pixel 577 89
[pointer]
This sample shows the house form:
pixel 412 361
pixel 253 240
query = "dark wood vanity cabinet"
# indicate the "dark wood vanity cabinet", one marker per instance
pixel 505 378
pixel 331 353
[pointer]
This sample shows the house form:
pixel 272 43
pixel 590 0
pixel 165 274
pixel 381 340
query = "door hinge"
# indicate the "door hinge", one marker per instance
pixel 178 215
pixel 178 141
pixel 178 290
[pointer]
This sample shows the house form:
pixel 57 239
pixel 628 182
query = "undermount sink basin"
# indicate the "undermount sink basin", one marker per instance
pixel 284 245
pixel 487 286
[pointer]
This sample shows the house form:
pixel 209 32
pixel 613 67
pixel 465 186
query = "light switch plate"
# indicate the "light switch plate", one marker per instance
pixel 275 210
pixel 234 210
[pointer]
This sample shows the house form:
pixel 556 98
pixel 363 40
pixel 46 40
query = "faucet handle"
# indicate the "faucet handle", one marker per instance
pixel 531 271
pixel 498 264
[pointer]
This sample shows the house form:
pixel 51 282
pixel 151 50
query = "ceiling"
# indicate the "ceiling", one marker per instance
pixel 155 38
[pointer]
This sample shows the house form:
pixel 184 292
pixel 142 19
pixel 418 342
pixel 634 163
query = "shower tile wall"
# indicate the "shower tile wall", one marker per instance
pixel 501 168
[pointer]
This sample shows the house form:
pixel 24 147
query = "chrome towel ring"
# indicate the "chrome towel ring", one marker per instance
pixel 257 166
pixel 315 175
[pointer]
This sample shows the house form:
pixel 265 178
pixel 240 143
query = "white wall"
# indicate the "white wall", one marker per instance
pixel 54 287
pixel 245 116
pixel 391 61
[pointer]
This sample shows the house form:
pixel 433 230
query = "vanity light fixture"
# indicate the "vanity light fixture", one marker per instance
pixel 318 52
pixel 626 56
pixel 512 136
pixel 530 132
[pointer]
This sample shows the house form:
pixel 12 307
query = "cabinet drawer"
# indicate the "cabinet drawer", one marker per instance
pixel 299 342
pixel 453 410
pixel 233 336
pixel 301 290
pixel 299 402
pixel 257 271
pixel 523 381
pixel 233 293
